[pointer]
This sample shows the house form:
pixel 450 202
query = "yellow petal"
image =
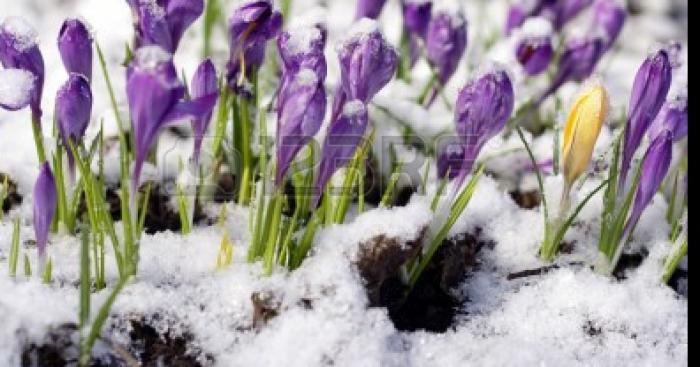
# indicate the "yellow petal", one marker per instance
pixel 582 129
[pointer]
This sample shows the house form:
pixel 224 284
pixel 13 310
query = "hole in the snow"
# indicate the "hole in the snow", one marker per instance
pixel 12 196
pixel 430 305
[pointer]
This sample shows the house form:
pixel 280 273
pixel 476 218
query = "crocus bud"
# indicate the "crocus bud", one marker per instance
pixel 657 161
pixel 369 8
pixel 163 22
pixel 204 84
pixel 250 27
pixel 18 50
pixel 445 43
pixel 534 49
pixel 583 126
pixel 672 117
pixel 609 16
pixel 482 110
pixel 651 86
pixel 299 117
pixel 367 63
pixel 155 95
pixel 576 63
pixel 301 48
pixel 73 108
pixel 44 207
pixel 416 16
pixel 343 138
pixel 75 47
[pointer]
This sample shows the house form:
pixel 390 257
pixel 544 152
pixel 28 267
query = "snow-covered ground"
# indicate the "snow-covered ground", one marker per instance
pixel 567 316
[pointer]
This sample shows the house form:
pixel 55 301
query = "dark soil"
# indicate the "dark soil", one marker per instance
pixel 13 197
pixel 526 200
pixel 679 282
pixel 59 348
pixel 266 306
pixel 430 305
pixel 629 262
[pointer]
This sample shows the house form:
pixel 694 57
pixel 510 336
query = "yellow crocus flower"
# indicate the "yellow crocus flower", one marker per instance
pixel 582 129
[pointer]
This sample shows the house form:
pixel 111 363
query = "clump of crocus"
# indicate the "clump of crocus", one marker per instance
pixel 534 50
pixel 18 50
pixel 155 95
pixel 163 22
pixel 204 84
pixel 45 198
pixel 609 17
pixel 445 42
pixel 250 27
pixel 75 47
pixel 651 86
pixel 482 110
pixel 581 132
pixel 73 109
pixel 654 167
pixel 369 8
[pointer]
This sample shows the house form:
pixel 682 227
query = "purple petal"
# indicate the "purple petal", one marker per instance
pixel 299 118
pixel 609 16
pixel 535 54
pixel 153 90
pixel 446 41
pixel 75 47
pixel 181 14
pixel 369 8
pixel 18 50
pixel 416 16
pixel 44 206
pixel 651 86
pixel 344 136
pixel 672 117
pixel 482 110
pixel 450 160
pixel 577 62
pixel 204 83
pixel 654 169
pixel 73 109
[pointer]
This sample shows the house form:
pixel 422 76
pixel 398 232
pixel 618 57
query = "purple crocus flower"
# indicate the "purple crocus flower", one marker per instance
pixel 416 16
pixel 250 27
pixel 369 8
pixel 576 63
pixel 344 136
pixel 482 110
pixel 651 86
pixel 367 63
pixel 163 22
pixel 73 109
pixel 44 207
pixel 609 16
pixel 155 96
pixel 75 47
pixel 672 117
pixel 299 117
pixel 534 54
pixel 657 161
pixel 446 40
pixel 301 48
pixel 204 84
pixel 18 50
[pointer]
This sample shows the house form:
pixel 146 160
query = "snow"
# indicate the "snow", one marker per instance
pixel 535 27
pixel 22 33
pixel 568 316
pixel 149 57
pixel 305 77
pixel 353 108
pixel 302 38
pixel 15 87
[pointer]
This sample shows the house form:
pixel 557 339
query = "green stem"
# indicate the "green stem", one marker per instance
pixel 38 138
pixel 674 259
